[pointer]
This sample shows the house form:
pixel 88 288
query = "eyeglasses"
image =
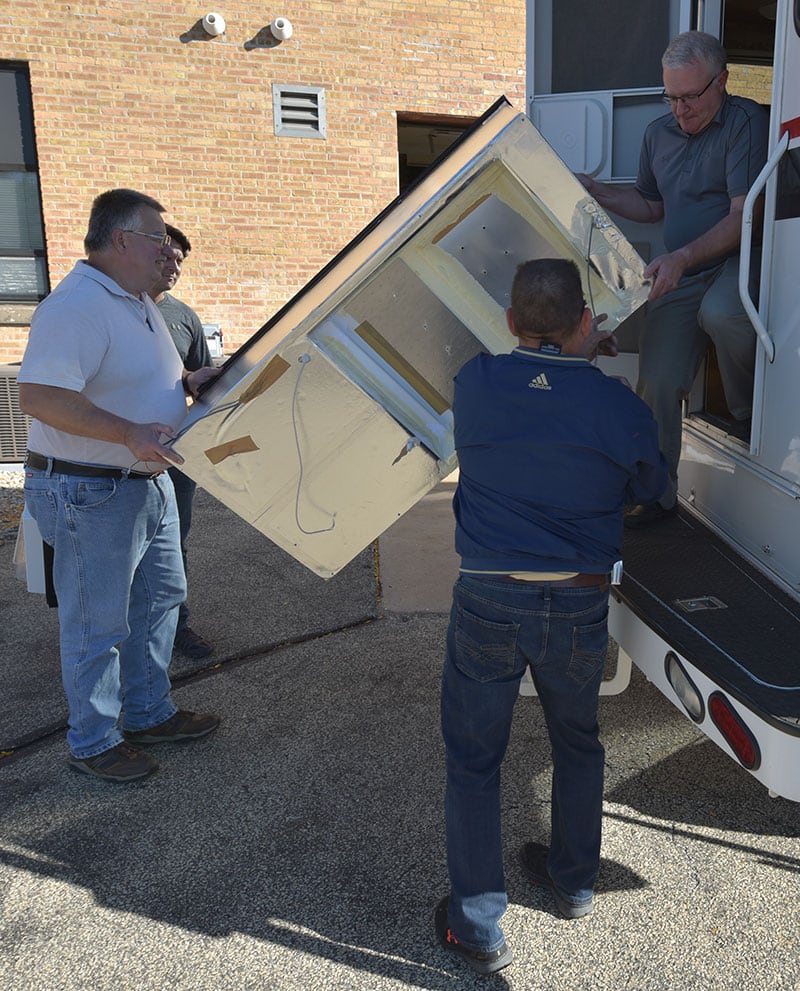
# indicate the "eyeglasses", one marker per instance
pixel 690 98
pixel 163 240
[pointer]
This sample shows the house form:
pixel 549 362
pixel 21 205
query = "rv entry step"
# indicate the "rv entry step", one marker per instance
pixel 717 610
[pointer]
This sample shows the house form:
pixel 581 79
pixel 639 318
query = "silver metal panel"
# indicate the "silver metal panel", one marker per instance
pixel 335 418
pixel 751 508
pixel 492 241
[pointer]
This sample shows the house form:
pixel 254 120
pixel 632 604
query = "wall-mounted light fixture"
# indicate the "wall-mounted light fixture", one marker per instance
pixel 281 28
pixel 213 24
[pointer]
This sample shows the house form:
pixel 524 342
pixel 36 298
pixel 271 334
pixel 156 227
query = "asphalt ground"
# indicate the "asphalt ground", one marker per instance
pixel 301 847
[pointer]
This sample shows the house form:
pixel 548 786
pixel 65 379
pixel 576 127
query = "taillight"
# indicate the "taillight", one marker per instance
pixel 684 688
pixel 738 736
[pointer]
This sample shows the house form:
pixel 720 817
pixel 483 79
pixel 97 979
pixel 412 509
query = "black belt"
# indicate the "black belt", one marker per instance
pixel 41 463
pixel 577 581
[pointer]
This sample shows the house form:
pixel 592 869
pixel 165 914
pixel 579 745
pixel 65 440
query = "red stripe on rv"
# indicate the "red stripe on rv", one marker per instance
pixel 793 127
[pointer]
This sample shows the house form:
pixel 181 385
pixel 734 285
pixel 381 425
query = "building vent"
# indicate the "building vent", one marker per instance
pixel 14 424
pixel 299 111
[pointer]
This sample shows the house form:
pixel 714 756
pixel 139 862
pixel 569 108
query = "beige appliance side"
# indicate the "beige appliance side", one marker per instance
pixel 309 459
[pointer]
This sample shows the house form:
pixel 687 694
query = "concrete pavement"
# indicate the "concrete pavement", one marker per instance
pixel 301 846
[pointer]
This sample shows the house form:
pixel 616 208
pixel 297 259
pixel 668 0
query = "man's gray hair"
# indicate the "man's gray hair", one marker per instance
pixel 116 209
pixel 692 47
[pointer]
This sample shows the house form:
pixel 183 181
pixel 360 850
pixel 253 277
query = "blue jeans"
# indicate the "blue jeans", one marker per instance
pixel 119 579
pixel 497 629
pixel 184 497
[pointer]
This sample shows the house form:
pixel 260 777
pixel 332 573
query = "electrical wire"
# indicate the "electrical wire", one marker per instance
pixel 589 269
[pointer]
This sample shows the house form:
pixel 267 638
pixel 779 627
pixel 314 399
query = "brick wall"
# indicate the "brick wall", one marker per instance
pixel 127 94
pixel 753 81
pixel 12 343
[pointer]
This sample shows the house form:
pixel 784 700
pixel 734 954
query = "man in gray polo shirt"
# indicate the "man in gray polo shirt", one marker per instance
pixel 696 166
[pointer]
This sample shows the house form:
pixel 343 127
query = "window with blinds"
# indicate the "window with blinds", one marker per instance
pixel 23 271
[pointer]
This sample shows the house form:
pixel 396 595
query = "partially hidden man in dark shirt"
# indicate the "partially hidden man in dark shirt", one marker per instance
pixel 187 333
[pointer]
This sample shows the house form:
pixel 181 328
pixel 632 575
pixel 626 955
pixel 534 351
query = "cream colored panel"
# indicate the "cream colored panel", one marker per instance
pixel 311 461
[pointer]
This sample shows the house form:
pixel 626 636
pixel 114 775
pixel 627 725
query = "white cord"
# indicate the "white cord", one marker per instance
pixel 589 269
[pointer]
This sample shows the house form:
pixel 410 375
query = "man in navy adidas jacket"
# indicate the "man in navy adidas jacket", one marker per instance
pixel 550 451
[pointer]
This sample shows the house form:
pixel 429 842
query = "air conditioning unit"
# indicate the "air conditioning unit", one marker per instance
pixel 14 424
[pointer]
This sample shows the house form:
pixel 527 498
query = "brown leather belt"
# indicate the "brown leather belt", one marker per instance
pixel 41 463
pixel 577 581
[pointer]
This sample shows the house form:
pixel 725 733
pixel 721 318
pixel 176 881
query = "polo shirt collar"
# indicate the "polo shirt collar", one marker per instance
pixel 87 271
pixel 534 354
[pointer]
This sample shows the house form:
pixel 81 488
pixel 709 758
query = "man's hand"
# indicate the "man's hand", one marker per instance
pixel 600 341
pixel 199 377
pixel 145 441
pixel 666 272
pixel 625 201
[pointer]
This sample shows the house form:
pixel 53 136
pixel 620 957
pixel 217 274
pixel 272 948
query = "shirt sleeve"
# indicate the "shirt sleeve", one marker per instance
pixel 65 349
pixel 649 471
pixel 646 184
pixel 199 355
pixel 746 151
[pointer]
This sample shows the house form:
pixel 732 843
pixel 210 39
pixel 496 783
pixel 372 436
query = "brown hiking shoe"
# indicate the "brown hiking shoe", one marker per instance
pixel 183 725
pixel 120 763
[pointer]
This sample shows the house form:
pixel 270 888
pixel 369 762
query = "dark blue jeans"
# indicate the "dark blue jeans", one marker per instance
pixel 497 629
pixel 184 496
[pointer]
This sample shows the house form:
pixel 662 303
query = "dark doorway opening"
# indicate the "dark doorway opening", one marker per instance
pixel 421 139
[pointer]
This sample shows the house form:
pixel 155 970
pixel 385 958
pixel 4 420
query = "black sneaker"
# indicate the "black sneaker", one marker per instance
pixel 183 725
pixel 479 960
pixel 647 514
pixel 533 857
pixel 120 763
pixel 189 643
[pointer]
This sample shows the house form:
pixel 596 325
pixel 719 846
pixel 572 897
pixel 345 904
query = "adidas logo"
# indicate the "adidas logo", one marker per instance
pixel 540 382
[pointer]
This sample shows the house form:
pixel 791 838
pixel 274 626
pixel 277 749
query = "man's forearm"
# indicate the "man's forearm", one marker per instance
pixel 721 240
pixel 72 412
pixel 623 200
pixel 75 414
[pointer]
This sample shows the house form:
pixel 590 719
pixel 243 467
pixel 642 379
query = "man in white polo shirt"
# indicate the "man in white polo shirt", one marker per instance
pixel 106 388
